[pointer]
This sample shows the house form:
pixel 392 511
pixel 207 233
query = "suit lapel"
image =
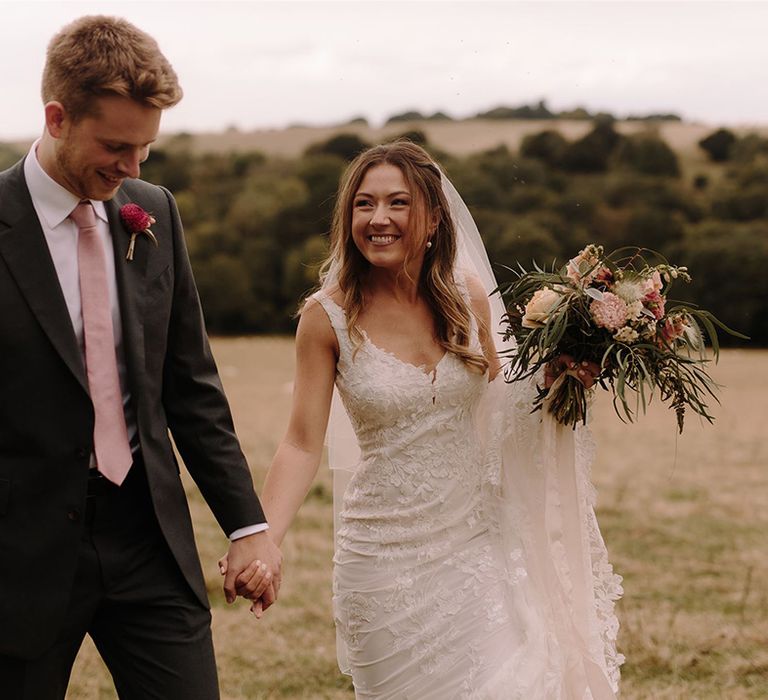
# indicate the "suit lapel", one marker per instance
pixel 25 251
pixel 131 278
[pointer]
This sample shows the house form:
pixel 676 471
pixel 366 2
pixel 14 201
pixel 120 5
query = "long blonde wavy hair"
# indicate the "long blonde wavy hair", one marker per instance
pixel 437 283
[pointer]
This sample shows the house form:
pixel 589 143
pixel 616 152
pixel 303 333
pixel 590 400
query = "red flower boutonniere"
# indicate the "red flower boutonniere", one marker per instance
pixel 137 221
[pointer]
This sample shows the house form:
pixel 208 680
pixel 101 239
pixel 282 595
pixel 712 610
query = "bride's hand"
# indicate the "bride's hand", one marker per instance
pixel 254 583
pixel 586 372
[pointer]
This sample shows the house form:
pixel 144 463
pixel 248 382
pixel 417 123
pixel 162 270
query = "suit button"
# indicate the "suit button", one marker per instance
pixel 74 515
pixel 82 452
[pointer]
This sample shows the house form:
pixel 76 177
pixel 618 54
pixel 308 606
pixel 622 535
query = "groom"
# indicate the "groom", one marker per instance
pixel 101 355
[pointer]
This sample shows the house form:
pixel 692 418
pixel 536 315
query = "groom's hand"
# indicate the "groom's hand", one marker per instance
pixel 247 585
pixel 244 576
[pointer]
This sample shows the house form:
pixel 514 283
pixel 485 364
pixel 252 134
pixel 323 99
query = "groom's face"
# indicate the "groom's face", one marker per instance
pixel 96 153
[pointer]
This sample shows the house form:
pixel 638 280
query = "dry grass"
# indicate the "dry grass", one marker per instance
pixel 684 519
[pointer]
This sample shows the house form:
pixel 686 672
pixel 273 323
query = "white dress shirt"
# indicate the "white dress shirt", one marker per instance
pixel 53 205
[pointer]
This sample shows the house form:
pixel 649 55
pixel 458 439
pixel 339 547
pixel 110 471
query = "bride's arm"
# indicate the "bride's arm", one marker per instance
pixel 297 458
pixel 482 310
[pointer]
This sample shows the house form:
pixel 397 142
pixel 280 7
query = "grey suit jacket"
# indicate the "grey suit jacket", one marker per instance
pixel 46 416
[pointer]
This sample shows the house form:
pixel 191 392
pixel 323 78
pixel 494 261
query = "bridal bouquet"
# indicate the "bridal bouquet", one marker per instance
pixel 613 313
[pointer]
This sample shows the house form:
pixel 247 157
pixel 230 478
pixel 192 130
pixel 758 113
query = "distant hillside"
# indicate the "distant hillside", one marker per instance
pixel 460 138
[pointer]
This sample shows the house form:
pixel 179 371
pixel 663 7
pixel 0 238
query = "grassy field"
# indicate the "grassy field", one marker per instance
pixel 685 520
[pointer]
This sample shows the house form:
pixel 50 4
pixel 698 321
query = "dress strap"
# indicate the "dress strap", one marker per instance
pixel 334 311
pixel 338 321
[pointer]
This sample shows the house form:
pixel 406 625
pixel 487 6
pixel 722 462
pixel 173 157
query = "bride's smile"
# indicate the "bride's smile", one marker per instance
pixel 378 239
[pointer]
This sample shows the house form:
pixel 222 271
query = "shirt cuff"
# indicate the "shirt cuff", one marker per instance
pixel 248 530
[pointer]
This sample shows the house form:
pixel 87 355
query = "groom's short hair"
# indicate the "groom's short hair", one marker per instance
pixel 97 56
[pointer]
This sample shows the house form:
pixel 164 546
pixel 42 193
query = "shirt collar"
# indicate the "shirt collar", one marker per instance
pixel 53 202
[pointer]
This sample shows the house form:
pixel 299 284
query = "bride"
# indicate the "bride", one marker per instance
pixel 468 560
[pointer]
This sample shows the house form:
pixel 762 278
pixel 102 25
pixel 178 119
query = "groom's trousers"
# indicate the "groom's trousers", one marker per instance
pixel 131 598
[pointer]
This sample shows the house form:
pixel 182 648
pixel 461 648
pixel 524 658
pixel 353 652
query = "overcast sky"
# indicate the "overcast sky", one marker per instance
pixel 271 64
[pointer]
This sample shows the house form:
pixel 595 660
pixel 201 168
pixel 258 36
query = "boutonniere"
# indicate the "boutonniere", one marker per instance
pixel 137 221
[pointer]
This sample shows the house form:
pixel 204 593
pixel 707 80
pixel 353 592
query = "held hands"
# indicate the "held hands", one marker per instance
pixel 252 569
pixel 586 372
pixel 254 583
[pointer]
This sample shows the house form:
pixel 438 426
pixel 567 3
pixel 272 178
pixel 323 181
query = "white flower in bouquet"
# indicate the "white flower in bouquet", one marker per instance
pixel 627 334
pixel 635 310
pixel 630 291
pixel 648 329
pixel 540 307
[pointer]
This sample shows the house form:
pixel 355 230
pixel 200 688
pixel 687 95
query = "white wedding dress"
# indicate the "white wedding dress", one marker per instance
pixel 442 586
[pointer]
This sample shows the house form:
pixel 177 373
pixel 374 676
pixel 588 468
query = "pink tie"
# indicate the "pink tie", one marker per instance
pixel 110 436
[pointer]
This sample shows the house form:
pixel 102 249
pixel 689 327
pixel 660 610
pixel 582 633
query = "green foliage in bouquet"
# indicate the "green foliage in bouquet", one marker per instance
pixel 612 310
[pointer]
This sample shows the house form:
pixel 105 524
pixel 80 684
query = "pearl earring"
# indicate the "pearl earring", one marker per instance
pixel 429 244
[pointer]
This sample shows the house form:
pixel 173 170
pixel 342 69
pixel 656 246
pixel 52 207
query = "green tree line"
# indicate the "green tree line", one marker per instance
pixel 257 227
pixel 538 111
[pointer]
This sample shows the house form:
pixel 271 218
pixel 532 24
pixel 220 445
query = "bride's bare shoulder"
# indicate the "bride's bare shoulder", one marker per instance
pixel 314 321
pixel 315 298
pixel 313 317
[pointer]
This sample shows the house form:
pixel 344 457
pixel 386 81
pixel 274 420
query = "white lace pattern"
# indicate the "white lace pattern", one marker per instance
pixel 432 593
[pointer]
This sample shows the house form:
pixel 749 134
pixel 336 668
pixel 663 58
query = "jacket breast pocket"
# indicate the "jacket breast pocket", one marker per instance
pixel 160 284
pixel 158 295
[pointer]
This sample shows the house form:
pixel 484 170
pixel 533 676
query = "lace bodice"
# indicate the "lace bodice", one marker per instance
pixel 391 402
pixel 412 426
